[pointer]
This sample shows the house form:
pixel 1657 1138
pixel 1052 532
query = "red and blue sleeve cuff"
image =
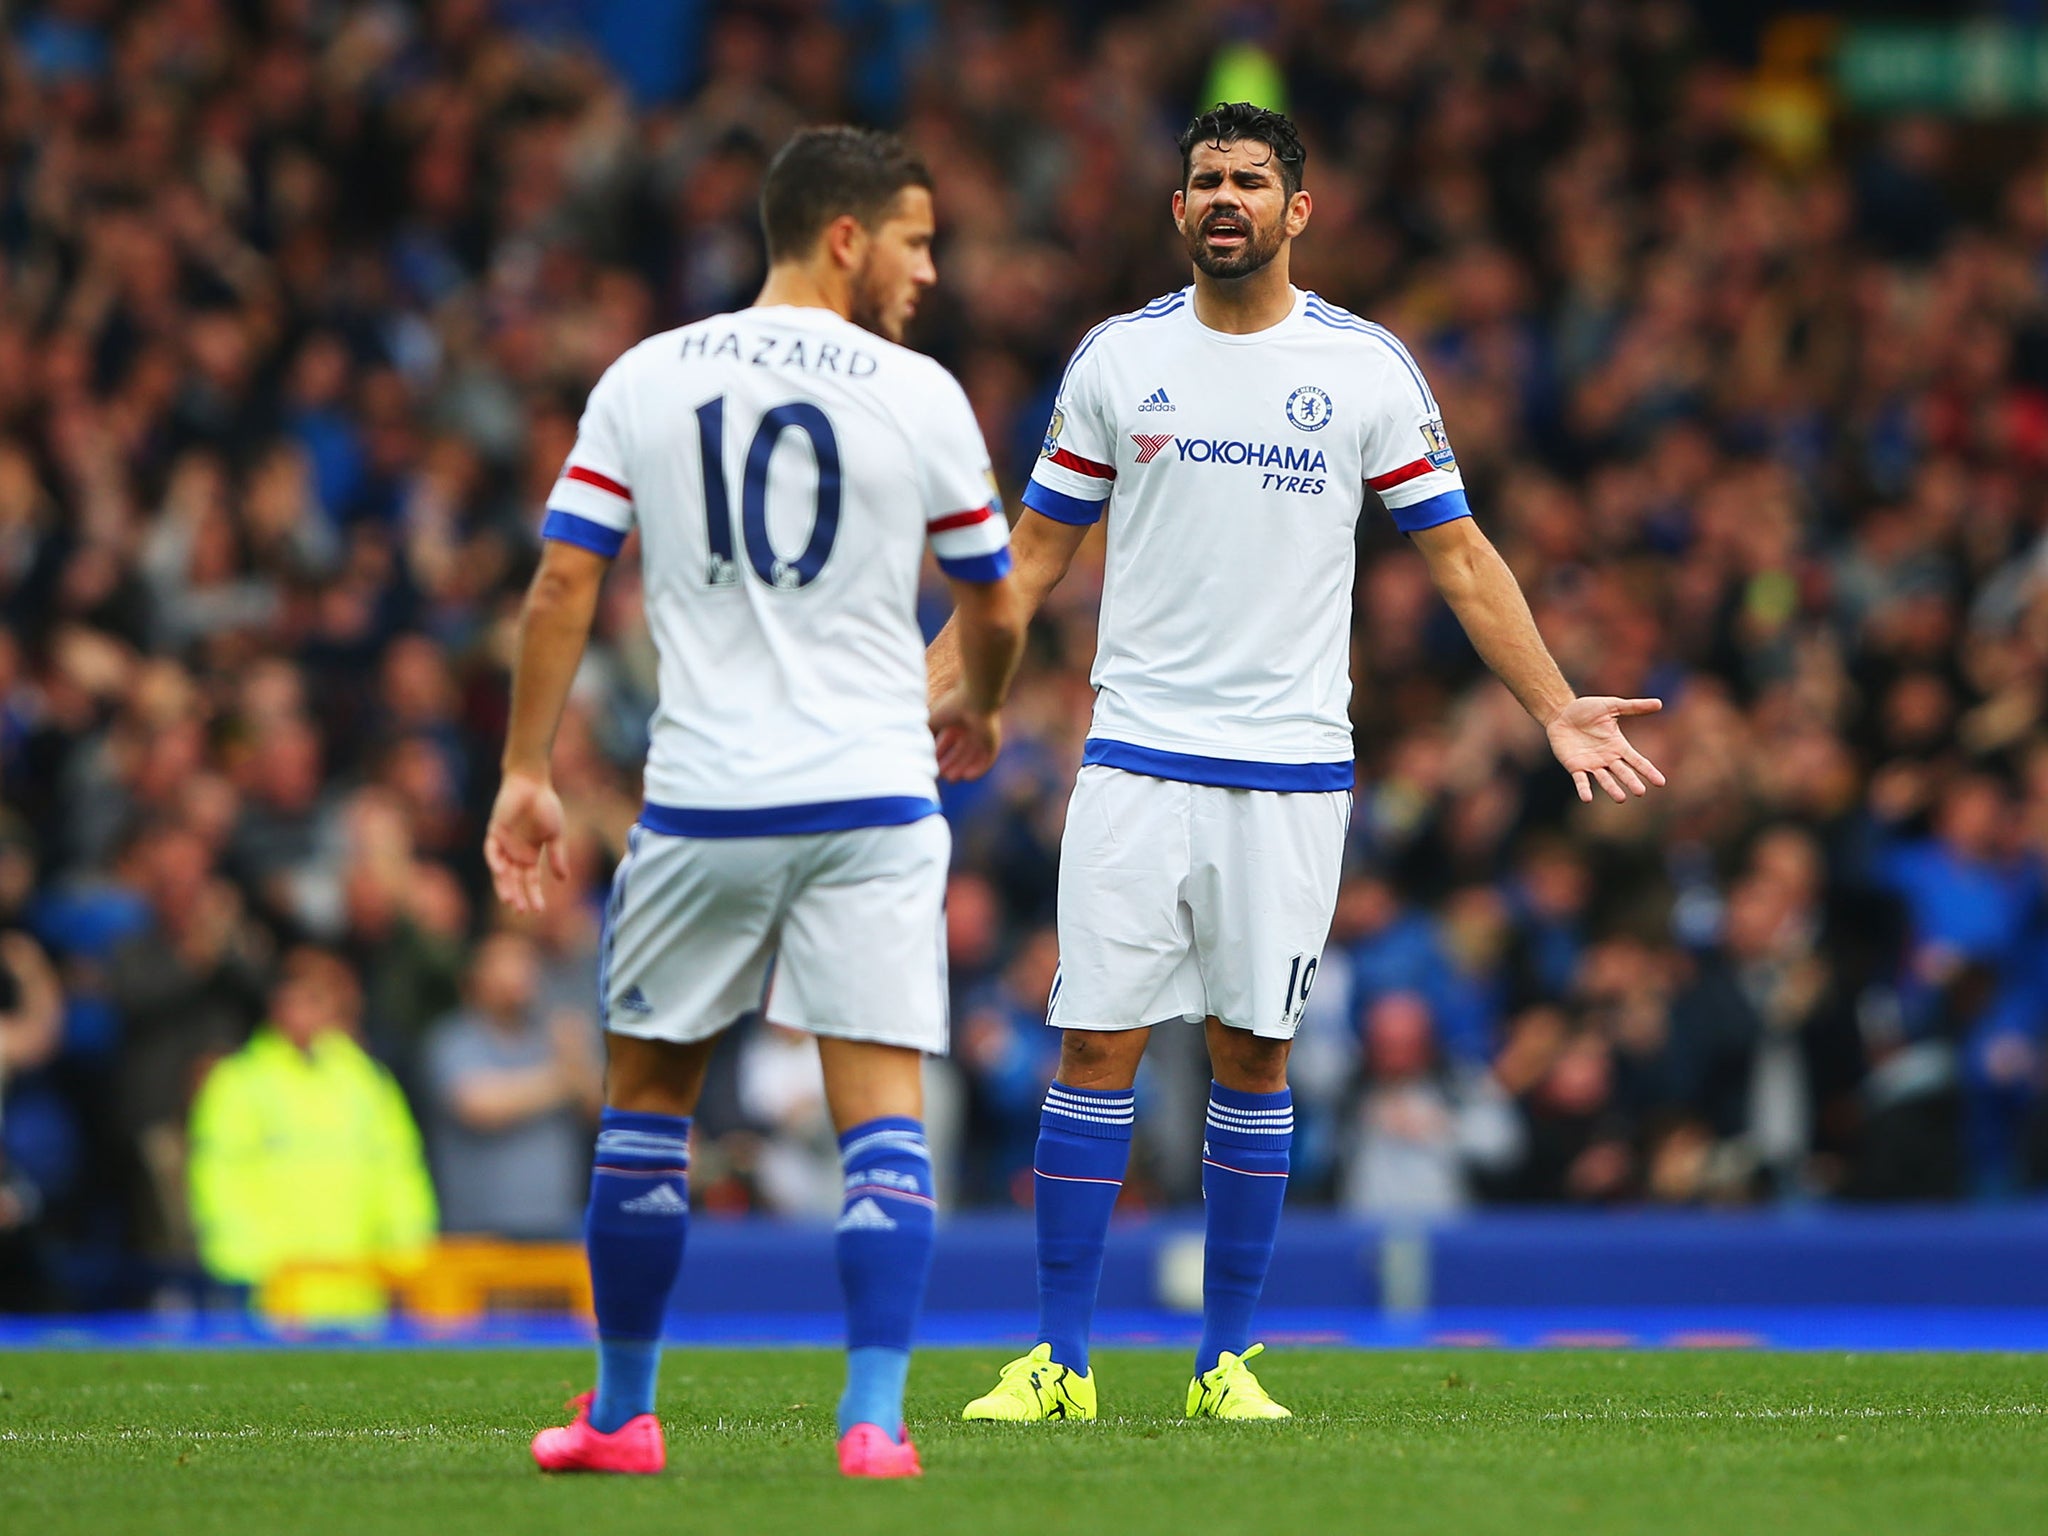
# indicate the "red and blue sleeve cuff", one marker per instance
pixel 1446 508
pixel 993 566
pixel 568 528
pixel 1060 507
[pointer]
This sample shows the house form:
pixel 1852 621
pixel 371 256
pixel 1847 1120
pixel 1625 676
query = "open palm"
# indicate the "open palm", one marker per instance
pixel 1586 737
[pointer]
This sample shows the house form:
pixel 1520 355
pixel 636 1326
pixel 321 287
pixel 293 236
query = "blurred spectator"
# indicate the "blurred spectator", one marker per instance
pixel 795 1162
pixel 303 1151
pixel 565 936
pixel 1425 1127
pixel 1548 899
pixel 1393 947
pixel 1581 1140
pixel 188 989
pixel 1762 1050
pixel 514 1093
pixel 1974 897
pixel 1970 890
pixel 403 920
pixel 31 1025
pixel 1008 1055
pixel 31 1006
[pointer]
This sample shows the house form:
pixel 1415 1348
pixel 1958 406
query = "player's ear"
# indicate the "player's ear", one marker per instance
pixel 845 242
pixel 1299 207
pixel 1180 208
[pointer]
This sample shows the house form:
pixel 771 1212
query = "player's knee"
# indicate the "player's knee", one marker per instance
pixel 654 1077
pixel 1248 1063
pixel 1103 1059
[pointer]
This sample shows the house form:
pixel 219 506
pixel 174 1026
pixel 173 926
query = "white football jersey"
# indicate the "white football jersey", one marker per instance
pixel 785 469
pixel 1233 470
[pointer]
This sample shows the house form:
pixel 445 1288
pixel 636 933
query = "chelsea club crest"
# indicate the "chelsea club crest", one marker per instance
pixel 1309 408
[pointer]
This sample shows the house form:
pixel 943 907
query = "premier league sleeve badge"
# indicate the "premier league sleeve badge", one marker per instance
pixel 1436 446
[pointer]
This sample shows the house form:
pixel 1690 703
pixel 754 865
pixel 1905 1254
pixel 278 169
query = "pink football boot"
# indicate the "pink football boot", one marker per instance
pixel 635 1446
pixel 867 1451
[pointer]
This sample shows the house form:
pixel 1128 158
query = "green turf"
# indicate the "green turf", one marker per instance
pixel 1466 1442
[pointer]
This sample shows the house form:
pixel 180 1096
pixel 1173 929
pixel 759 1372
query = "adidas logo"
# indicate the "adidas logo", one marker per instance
pixel 1156 401
pixel 662 1200
pixel 865 1216
pixel 635 1001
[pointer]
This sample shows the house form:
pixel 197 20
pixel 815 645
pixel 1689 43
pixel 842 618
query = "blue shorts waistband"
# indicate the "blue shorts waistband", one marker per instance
pixel 1222 772
pixel 787 820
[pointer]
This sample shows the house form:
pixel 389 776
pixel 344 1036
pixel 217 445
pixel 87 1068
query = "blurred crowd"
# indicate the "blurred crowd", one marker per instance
pixel 299 301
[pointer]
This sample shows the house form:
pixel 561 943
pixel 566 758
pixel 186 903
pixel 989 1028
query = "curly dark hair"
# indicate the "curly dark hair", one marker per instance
pixel 822 173
pixel 1228 122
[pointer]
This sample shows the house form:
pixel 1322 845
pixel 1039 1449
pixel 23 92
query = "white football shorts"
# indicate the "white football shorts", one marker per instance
pixel 848 923
pixel 1179 901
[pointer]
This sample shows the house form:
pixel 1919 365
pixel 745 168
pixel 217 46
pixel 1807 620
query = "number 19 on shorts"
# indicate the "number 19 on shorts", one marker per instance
pixel 1301 975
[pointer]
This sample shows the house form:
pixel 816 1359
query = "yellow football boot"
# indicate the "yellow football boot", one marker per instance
pixel 1032 1390
pixel 1231 1391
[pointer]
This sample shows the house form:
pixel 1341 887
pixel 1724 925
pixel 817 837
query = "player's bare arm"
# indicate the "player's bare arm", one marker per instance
pixel 524 840
pixel 1042 549
pixel 1585 733
pixel 988 624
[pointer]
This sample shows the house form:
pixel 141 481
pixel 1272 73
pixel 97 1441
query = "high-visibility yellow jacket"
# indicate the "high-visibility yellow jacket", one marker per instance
pixel 307 1156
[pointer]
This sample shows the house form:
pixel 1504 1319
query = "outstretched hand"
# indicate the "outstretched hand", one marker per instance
pixel 523 840
pixel 1586 737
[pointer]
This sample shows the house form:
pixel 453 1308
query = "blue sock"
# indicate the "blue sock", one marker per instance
pixel 639 1212
pixel 1084 1142
pixel 1244 1179
pixel 875 1376
pixel 885 1253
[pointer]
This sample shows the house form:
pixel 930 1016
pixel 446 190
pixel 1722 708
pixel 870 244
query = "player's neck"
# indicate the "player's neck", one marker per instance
pixel 801 287
pixel 1238 306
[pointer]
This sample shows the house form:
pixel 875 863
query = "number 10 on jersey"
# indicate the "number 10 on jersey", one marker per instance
pixel 788 575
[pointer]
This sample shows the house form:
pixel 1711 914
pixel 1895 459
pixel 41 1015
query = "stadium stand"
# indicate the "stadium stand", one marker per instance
pixel 298 305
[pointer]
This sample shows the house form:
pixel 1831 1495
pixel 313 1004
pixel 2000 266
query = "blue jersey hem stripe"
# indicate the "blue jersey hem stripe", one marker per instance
pixel 1061 507
pixel 993 566
pixel 1221 772
pixel 787 820
pixel 568 528
pixel 1445 508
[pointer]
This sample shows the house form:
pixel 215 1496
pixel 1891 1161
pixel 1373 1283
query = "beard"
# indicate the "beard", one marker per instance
pixel 871 307
pixel 1260 247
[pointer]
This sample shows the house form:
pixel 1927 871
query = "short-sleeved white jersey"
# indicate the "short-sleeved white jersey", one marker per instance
pixel 1233 470
pixel 785 469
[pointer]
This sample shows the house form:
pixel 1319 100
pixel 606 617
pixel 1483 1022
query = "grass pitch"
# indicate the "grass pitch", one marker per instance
pixel 1414 1443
